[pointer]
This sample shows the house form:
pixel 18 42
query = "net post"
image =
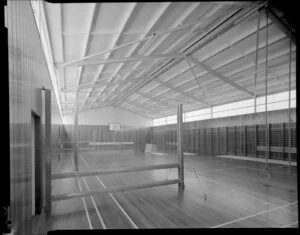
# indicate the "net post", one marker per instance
pixel 94 139
pixel 256 58
pixel 266 95
pixel 76 134
pixel 289 110
pixel 180 149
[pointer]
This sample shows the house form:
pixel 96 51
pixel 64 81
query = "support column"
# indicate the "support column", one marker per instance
pixel 269 138
pixel 76 134
pixel 226 139
pixel 283 139
pixel 59 137
pixel 211 141
pixel 256 57
pixel 289 130
pixel 219 150
pixel 266 100
pixel 94 139
pixel 255 139
pixel 245 140
pixel 180 149
pixel 235 145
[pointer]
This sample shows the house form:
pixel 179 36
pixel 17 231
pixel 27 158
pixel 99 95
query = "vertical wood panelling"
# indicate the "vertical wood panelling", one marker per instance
pixel 28 73
pixel 20 119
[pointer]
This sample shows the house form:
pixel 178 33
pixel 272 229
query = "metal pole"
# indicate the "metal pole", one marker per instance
pixel 76 133
pixel 94 134
pixel 266 94
pixel 180 149
pixel 256 59
pixel 290 70
pixel 59 134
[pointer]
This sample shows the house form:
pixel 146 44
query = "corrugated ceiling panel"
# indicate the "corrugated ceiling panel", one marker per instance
pixel 76 17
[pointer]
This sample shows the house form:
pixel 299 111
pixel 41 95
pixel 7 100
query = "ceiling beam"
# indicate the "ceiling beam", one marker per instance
pixel 60 73
pixel 177 24
pixel 161 12
pixel 162 38
pixel 176 89
pixel 220 76
pixel 128 59
pixel 186 94
pixel 114 42
pixel 251 61
pixel 103 32
pixel 142 106
pixel 156 100
pixel 228 46
pixel 211 35
pixel 232 22
pixel 86 43
pixel 135 112
pixel 282 25
pixel 156 33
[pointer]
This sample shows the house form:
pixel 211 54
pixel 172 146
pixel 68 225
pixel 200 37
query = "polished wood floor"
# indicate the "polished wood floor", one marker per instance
pixel 218 193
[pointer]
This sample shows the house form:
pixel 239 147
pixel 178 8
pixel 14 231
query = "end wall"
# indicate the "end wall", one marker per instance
pixel 109 115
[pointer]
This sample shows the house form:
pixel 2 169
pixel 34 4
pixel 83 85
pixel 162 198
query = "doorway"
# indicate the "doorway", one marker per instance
pixel 35 164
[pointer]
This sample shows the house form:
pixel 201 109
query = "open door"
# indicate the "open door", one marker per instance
pixel 33 164
pixel 36 164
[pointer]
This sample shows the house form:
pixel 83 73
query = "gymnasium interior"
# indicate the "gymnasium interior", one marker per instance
pixel 150 115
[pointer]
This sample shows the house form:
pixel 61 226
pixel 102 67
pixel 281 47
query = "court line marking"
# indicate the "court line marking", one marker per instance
pixel 96 207
pixel 115 200
pixel 234 187
pixel 221 169
pixel 276 172
pixel 289 225
pixel 250 168
pixel 254 215
pixel 84 204
pixel 240 190
pixel 84 160
pixel 83 199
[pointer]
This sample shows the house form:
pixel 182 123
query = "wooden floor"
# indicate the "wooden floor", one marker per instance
pixel 218 193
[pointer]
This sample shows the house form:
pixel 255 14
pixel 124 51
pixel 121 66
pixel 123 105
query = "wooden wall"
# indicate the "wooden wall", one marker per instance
pixel 238 135
pixel 101 133
pixel 28 73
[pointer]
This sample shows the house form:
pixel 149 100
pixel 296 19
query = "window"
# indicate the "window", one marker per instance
pixel 232 109
pixel 275 102
pixel 197 115
pixel 159 121
pixel 171 119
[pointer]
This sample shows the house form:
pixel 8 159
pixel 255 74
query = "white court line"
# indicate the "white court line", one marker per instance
pixel 72 159
pixel 221 169
pixel 96 208
pixel 115 200
pixel 83 200
pixel 92 198
pixel 289 225
pixel 253 215
pixel 276 172
pixel 240 190
pixel 84 204
pixel 85 162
